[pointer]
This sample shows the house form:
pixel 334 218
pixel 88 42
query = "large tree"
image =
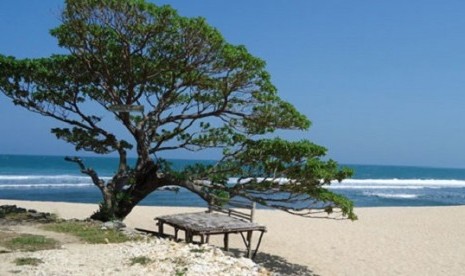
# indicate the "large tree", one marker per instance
pixel 197 92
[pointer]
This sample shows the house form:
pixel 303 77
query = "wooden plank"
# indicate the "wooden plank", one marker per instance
pixel 206 224
pixel 250 207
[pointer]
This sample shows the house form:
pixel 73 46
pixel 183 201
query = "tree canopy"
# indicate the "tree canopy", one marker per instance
pixel 197 92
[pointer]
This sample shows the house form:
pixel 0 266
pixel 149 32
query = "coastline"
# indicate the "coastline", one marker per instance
pixel 384 241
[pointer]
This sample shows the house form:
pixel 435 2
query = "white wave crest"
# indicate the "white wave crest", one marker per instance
pixel 11 181
pixel 393 183
pixel 30 177
pixel 397 183
pixel 44 178
pixel 386 195
pixel 16 186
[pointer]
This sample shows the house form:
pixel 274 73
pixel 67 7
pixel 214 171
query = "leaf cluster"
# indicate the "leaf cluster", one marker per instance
pixel 198 92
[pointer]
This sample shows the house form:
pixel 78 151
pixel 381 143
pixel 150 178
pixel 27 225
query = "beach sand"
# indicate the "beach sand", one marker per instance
pixel 384 241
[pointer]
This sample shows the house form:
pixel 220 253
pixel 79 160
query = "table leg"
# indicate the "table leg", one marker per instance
pixel 226 242
pixel 176 234
pixel 258 244
pixel 160 228
pixel 249 244
pixel 189 236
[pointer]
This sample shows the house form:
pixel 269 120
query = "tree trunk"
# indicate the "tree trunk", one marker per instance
pixel 119 202
pixel 125 206
pixel 106 208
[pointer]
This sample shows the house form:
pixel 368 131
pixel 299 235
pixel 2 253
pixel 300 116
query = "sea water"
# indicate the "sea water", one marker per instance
pixel 51 178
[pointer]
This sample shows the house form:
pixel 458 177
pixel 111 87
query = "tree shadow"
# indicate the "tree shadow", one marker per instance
pixel 277 265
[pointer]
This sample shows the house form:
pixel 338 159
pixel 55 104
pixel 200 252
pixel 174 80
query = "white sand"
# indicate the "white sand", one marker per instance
pixel 384 241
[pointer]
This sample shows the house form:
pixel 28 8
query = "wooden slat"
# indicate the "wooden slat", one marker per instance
pixel 234 212
pixel 206 224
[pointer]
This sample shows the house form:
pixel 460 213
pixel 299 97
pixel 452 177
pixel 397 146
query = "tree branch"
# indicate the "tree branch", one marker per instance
pixel 89 171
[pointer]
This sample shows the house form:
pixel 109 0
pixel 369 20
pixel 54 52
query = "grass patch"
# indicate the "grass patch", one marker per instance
pixel 142 260
pixel 181 272
pixel 27 242
pixel 28 261
pixel 88 232
pixel 16 216
pixel 199 250
pixel 28 216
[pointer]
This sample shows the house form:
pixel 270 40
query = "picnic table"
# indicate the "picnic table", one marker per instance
pixel 205 224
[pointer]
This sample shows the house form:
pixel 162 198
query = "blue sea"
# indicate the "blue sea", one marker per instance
pixel 51 178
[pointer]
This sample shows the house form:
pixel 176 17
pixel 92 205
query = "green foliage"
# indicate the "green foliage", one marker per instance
pixel 88 232
pixel 26 242
pixel 107 212
pixel 142 260
pixel 199 92
pixel 181 272
pixel 104 212
pixel 198 250
pixel 28 261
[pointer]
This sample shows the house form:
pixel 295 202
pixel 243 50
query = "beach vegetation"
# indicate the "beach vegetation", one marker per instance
pixel 28 261
pixel 27 216
pixel 173 84
pixel 142 260
pixel 27 242
pixel 180 272
pixel 89 232
pixel 198 250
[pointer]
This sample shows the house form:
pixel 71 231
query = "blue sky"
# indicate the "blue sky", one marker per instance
pixel 382 81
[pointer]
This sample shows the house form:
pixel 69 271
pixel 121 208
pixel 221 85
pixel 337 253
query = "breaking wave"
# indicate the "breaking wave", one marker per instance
pixel 395 183
pixel 394 196
pixel 45 181
pixel 63 181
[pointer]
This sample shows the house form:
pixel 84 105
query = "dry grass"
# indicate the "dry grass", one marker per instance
pixel 87 231
pixel 26 242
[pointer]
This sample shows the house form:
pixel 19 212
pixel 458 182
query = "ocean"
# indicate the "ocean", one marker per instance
pixel 51 178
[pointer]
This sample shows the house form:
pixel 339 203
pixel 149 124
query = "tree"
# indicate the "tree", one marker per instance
pixel 195 91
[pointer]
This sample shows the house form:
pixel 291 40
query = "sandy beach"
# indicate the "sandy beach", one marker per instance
pixel 384 241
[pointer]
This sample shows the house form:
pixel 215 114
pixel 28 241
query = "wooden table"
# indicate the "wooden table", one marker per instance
pixel 204 224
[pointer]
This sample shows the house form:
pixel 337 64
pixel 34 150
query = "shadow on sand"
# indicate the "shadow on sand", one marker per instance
pixel 274 263
pixel 277 264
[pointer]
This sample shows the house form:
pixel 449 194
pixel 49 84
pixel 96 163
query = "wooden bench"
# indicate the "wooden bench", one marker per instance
pixel 246 211
pixel 218 220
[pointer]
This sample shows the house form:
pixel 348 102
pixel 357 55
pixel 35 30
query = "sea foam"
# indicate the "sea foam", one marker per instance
pixel 395 183
pixel 43 181
pixel 387 195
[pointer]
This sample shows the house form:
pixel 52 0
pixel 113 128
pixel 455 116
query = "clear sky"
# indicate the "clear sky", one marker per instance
pixel 382 81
